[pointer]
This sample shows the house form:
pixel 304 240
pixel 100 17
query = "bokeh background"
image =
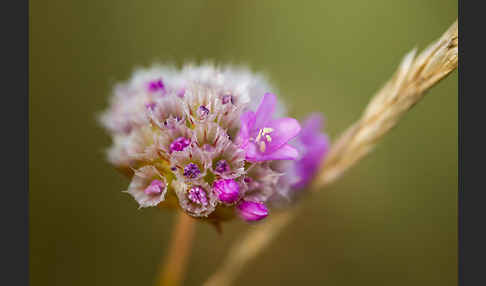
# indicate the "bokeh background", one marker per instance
pixel 389 221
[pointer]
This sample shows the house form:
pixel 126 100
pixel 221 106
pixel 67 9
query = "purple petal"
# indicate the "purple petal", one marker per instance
pixel 247 122
pixel 285 152
pixel 310 162
pixel 311 128
pixel 265 110
pixel 252 154
pixel 284 129
pixel 313 146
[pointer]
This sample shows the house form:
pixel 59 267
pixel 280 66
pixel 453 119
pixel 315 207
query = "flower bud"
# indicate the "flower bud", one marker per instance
pixel 179 144
pixel 227 191
pixel 252 211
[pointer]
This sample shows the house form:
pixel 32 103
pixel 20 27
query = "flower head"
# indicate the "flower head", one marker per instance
pixel 211 139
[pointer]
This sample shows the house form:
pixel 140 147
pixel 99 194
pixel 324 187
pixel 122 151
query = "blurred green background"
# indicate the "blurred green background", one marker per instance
pixel 389 221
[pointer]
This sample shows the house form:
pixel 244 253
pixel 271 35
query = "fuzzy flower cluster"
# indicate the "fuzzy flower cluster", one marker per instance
pixel 210 140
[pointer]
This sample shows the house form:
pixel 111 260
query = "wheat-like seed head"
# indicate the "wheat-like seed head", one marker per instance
pixel 415 75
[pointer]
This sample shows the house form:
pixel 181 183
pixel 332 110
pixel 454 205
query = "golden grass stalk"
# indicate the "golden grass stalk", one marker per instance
pixel 172 270
pixel 415 75
pixel 246 249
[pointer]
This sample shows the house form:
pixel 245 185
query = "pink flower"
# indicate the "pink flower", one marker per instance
pixel 313 146
pixel 264 138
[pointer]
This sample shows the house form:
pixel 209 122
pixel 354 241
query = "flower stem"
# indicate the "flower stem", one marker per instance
pixel 172 269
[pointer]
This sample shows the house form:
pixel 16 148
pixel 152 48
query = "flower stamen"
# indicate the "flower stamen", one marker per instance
pixel 191 171
pixel 221 166
pixel 263 146
pixel 264 134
